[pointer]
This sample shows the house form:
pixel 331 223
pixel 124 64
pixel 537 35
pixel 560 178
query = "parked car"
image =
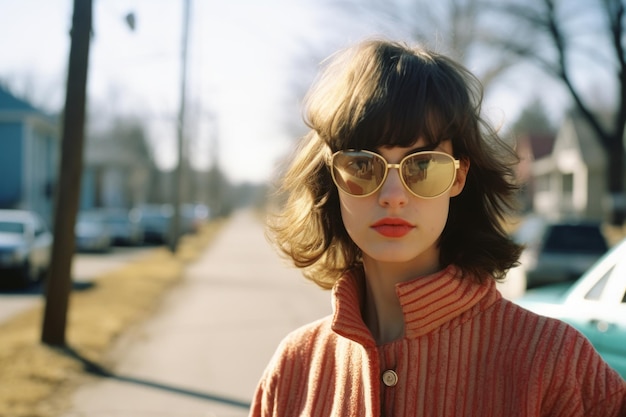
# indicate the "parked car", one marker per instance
pixel 124 226
pixel 595 305
pixel 155 220
pixel 193 216
pixel 25 247
pixel 92 232
pixel 558 251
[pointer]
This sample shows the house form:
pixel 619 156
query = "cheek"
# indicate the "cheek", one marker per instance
pixel 438 214
pixel 347 212
pixel 352 214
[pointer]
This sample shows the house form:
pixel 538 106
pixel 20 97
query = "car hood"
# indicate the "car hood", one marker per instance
pixel 547 300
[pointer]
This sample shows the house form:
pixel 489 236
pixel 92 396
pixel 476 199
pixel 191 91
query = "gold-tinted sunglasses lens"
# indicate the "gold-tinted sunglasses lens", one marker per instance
pixel 428 174
pixel 358 173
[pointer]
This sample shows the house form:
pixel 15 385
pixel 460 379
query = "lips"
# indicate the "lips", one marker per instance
pixel 392 227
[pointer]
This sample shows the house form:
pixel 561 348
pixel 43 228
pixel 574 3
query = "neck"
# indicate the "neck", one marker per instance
pixel 383 312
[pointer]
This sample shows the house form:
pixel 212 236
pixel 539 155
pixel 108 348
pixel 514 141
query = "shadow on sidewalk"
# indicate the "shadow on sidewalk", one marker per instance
pixel 38 289
pixel 98 370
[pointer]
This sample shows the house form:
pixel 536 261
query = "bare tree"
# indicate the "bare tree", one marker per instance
pixel 558 36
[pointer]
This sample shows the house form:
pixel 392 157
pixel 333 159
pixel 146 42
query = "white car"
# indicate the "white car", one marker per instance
pixel 92 233
pixel 25 247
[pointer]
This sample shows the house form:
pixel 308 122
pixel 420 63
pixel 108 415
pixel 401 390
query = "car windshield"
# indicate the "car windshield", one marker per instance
pixel 11 227
pixel 575 238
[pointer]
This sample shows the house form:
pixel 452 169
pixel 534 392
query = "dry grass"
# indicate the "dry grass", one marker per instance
pixel 37 380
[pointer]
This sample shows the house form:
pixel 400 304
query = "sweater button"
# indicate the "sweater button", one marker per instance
pixel 390 378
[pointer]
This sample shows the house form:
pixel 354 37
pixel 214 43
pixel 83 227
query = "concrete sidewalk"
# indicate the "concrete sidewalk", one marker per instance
pixel 203 352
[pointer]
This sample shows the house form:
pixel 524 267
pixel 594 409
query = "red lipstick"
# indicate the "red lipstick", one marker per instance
pixel 392 227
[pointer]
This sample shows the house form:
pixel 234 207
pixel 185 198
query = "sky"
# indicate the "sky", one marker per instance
pixel 243 58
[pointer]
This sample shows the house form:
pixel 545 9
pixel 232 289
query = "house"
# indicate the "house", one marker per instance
pixel 113 175
pixel 570 182
pixel 29 156
pixel 530 147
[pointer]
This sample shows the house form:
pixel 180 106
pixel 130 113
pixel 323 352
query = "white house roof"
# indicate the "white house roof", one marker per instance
pixel 577 136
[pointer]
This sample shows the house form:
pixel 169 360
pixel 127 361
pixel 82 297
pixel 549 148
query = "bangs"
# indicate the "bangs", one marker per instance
pixel 388 95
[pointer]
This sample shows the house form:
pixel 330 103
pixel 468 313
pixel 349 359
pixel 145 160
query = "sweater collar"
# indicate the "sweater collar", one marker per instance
pixel 427 302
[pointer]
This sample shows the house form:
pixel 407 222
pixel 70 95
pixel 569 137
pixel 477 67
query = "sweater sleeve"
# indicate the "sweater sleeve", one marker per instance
pixel 282 384
pixel 583 385
pixel 265 402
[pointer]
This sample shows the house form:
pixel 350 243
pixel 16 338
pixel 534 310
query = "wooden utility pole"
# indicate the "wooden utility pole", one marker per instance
pixel 179 185
pixel 59 280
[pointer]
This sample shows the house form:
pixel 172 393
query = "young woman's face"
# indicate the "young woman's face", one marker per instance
pixel 392 225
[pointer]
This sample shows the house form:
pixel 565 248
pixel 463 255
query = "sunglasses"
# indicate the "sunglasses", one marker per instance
pixel 426 174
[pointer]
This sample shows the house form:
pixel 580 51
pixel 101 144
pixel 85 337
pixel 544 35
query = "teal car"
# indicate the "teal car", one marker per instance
pixel 595 304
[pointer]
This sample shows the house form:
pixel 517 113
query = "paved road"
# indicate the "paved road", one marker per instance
pixel 203 352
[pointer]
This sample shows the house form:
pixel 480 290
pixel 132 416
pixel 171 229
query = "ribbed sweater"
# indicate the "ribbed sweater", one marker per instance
pixel 466 352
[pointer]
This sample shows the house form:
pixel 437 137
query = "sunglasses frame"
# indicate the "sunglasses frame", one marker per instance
pixel 457 165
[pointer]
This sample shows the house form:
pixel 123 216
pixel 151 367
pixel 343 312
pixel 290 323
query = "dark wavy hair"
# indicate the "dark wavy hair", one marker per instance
pixel 383 93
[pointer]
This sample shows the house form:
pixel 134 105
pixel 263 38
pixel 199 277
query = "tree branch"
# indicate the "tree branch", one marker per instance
pixel 615 13
pixel 560 44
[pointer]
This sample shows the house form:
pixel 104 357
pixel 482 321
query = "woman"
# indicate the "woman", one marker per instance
pixel 396 200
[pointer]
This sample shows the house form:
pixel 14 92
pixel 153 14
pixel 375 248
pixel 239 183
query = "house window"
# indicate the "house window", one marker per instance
pixel 568 183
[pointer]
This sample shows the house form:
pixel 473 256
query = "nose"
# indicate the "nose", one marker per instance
pixel 393 193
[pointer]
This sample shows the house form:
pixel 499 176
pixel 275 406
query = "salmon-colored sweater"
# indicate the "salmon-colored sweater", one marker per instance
pixel 466 352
